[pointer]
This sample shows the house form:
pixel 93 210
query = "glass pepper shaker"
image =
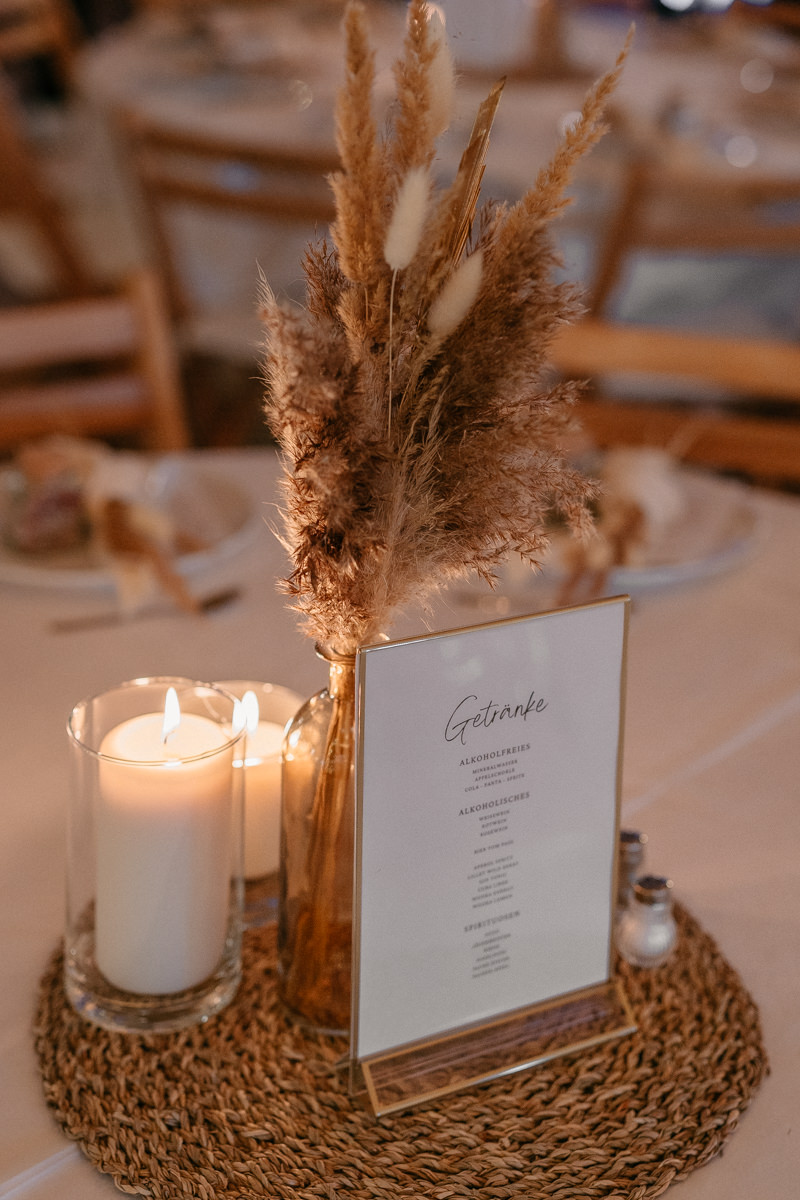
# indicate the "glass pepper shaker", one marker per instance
pixel 631 862
pixel 646 932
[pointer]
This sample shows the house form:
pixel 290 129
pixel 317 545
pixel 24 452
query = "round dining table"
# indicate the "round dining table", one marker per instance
pixel 710 769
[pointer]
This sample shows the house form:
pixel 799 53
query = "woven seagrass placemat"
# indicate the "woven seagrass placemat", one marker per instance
pixel 248 1106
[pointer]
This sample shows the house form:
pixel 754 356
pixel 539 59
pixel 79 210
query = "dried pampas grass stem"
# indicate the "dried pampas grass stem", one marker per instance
pixel 420 434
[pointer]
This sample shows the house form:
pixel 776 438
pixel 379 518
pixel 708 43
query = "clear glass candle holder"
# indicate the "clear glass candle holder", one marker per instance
pixel 275 707
pixel 154 856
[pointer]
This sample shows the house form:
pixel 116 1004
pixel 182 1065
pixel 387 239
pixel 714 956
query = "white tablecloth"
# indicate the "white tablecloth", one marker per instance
pixel 711 771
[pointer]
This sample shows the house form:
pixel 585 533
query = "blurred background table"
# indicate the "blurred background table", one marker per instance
pixel 196 140
pixel 685 217
pixel 711 764
pixel 266 77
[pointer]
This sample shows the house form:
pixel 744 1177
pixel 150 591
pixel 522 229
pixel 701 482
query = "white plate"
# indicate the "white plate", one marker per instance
pixel 718 528
pixel 203 503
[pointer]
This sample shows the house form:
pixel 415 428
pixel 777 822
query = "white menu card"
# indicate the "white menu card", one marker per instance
pixel 487 820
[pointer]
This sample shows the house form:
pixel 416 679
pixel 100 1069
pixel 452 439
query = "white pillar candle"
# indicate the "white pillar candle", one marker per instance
pixel 262 792
pixel 164 853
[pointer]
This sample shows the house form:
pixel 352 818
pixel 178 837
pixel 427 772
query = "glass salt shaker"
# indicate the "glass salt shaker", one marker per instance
pixel 646 932
pixel 631 862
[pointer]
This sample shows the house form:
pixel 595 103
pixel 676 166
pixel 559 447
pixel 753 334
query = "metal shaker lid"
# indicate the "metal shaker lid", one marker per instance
pixel 632 844
pixel 653 889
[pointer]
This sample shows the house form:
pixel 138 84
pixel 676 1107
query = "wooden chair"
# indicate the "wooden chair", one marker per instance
pixel 191 8
pixel 778 13
pixel 668 203
pixel 734 433
pixel 92 366
pixel 27 201
pixel 40 28
pixel 266 194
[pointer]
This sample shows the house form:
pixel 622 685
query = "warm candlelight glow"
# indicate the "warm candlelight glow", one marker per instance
pixel 262 710
pixel 261 760
pixel 250 709
pixel 163 850
pixel 172 714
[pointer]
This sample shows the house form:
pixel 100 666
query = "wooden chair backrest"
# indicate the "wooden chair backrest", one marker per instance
pixel 25 195
pixel 92 366
pixel 32 28
pixel 667 205
pixel 190 7
pixel 727 436
pixel 782 13
pixel 185 169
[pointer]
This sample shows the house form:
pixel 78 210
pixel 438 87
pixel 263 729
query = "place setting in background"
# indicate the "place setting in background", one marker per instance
pixel 79 516
pixel 658 524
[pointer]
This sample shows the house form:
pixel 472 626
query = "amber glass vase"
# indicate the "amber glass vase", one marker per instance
pixel 315 918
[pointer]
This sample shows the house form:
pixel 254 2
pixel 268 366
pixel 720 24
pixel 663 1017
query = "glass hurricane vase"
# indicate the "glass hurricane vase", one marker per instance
pixel 317 821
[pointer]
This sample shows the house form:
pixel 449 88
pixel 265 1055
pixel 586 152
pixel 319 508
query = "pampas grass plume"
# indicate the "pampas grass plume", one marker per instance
pixel 408 219
pixel 456 297
pixel 402 394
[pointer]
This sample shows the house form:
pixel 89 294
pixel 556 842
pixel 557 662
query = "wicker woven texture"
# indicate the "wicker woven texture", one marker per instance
pixel 248 1106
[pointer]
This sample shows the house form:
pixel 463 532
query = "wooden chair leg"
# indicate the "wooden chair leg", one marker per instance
pixel 159 360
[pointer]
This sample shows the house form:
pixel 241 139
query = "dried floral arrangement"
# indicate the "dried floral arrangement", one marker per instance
pixel 420 436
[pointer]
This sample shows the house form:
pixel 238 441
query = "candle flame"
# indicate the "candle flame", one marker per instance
pixel 172 714
pixel 250 709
